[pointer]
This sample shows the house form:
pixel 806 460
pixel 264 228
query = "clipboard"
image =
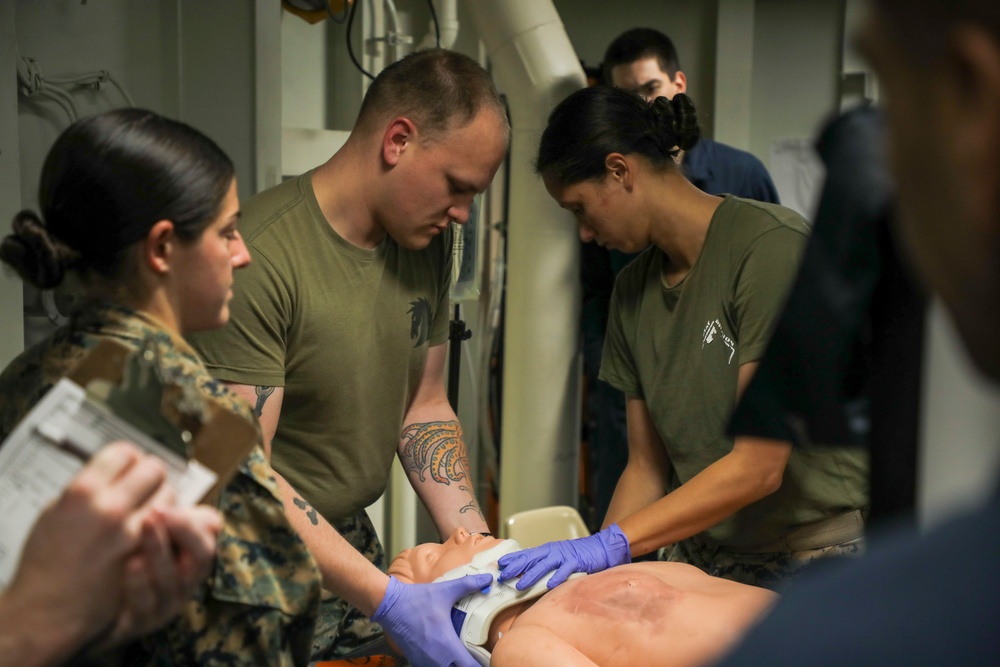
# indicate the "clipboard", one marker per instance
pixel 116 393
pixel 220 438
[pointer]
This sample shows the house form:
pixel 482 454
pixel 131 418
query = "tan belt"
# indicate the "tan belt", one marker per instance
pixel 824 533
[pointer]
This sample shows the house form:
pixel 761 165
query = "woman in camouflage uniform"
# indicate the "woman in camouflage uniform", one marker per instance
pixel 144 209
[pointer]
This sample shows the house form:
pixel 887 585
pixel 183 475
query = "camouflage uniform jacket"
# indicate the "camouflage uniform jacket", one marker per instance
pixel 259 605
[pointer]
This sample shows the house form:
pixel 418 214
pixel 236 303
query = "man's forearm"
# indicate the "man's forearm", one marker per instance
pixel 434 457
pixel 345 571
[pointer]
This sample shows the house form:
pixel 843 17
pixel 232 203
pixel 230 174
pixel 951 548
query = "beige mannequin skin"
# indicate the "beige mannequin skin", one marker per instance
pixel 655 613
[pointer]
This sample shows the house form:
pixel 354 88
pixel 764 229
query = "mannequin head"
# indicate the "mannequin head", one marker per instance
pixel 426 562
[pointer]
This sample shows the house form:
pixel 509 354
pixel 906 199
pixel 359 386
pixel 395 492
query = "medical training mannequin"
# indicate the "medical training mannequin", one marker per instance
pixel 667 614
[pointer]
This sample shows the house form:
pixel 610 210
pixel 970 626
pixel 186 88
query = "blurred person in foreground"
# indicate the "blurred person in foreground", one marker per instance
pixel 934 597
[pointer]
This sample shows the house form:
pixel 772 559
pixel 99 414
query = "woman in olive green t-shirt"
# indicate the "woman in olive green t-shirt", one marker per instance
pixel 690 317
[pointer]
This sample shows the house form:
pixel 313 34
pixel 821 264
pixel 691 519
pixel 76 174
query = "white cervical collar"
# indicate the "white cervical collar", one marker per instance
pixel 479 609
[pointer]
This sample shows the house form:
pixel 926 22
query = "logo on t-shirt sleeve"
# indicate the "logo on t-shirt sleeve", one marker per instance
pixel 420 321
pixel 713 333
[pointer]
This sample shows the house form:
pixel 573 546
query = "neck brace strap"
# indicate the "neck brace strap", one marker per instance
pixel 473 614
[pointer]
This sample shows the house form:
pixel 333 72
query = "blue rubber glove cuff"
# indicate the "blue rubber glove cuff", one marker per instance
pixel 616 544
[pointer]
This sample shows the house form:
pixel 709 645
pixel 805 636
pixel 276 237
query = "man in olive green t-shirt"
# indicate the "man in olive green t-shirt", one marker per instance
pixel 337 338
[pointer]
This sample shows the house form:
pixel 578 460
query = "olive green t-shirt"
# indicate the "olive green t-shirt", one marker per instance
pixel 344 330
pixel 680 348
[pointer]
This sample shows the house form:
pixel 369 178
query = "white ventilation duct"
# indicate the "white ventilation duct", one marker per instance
pixel 535 66
pixel 447 22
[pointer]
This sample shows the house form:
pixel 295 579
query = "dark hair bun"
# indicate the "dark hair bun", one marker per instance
pixel 34 254
pixel 685 122
pixel 674 125
pixel 593 122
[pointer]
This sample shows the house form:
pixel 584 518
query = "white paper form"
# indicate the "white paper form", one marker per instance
pixel 50 446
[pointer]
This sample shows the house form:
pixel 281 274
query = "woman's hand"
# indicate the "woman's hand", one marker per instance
pixel 588 554
pixel 175 556
pixel 110 559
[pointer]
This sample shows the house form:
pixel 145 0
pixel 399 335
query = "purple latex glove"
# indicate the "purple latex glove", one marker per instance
pixel 588 554
pixel 418 618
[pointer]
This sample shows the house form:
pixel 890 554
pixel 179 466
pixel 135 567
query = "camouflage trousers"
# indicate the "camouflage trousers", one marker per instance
pixel 342 630
pixel 768 570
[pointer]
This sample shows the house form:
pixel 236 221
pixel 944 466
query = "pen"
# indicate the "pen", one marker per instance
pixel 54 438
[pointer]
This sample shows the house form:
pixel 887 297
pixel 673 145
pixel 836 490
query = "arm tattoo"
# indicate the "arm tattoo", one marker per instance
pixel 262 394
pixel 436 447
pixel 310 512
pixel 472 505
